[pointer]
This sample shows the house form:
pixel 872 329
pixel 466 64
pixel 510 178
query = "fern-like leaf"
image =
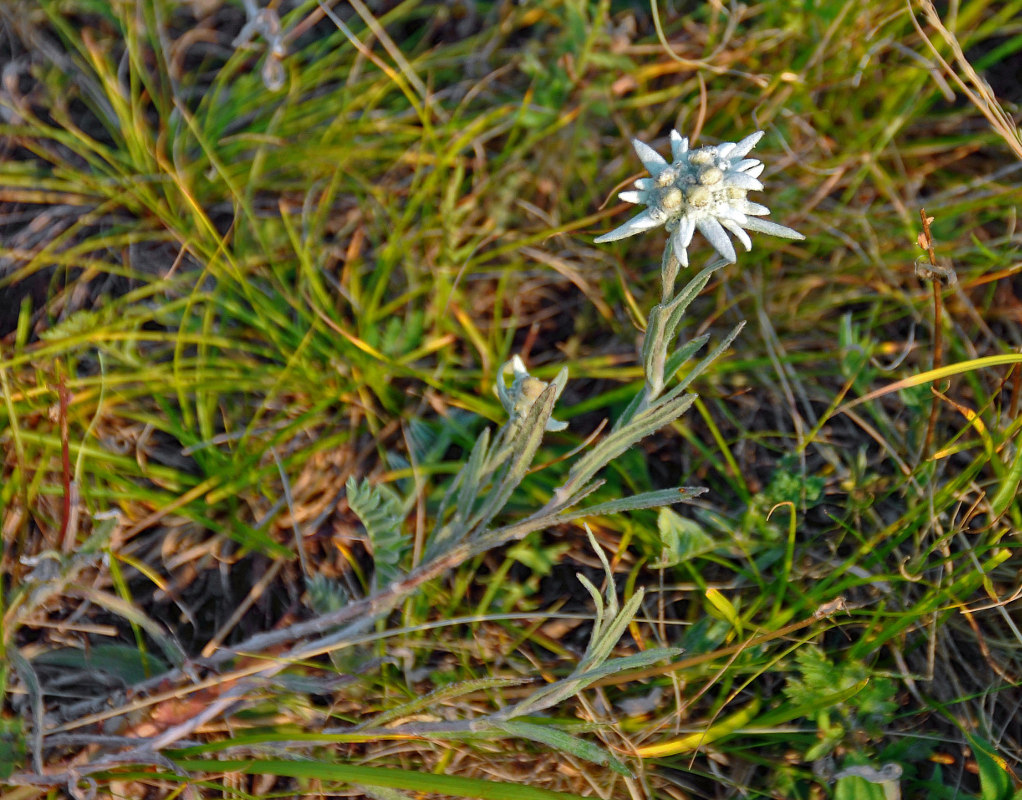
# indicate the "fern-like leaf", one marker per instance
pixel 379 509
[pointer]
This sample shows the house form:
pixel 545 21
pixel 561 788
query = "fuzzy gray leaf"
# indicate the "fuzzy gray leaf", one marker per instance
pixel 718 351
pixel 655 499
pixel 564 743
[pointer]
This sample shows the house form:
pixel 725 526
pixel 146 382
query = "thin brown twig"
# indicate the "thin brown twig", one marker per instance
pixel 926 240
pixel 938 345
pixel 65 464
pixel 1016 392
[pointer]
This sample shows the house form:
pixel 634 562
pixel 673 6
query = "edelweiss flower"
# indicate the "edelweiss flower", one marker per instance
pixel 702 189
pixel 525 390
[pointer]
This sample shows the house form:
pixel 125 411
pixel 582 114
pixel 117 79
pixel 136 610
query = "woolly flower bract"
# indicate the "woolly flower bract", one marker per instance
pixel 703 189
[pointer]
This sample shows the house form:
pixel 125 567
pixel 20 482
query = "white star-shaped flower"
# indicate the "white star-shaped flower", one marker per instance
pixel 703 189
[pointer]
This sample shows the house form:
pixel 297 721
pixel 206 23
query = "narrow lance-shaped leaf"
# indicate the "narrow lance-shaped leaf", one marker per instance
pixel 676 308
pixel 655 499
pixel 683 354
pixel 648 421
pixel 544 518
pixel 442 694
pixel 581 679
pixel 718 351
pixel 524 449
pixel 636 404
pixel 594 593
pixel 470 479
pixel 600 649
pixel 563 742
pixel 653 353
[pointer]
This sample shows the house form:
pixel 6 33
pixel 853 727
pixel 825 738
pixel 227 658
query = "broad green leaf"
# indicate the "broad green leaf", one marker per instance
pixel 855 788
pixel 123 661
pixel 994 780
pixel 682 539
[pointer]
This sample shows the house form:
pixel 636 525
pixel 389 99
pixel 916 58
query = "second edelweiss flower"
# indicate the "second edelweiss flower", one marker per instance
pixel 524 391
pixel 703 189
